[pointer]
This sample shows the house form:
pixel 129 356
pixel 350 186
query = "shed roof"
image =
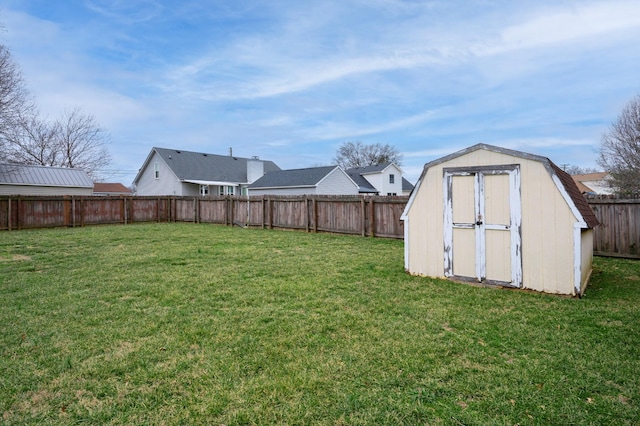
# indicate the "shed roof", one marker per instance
pixel 563 180
pixel 18 174
pixel 200 166
pixel 293 178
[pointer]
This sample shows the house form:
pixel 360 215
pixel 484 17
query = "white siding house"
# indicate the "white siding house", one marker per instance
pixel 381 179
pixel 18 179
pixel 329 180
pixel 186 173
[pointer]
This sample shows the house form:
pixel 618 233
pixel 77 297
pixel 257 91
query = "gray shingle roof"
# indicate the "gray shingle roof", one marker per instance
pixel 209 167
pixel 16 174
pixel 296 177
pixel 363 185
pixel 406 185
pixel 368 169
pixel 357 172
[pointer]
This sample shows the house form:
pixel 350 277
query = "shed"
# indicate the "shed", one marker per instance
pixel 500 217
pixel 19 179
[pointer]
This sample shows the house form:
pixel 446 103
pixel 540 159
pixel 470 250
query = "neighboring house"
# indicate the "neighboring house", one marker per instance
pixel 179 172
pixel 328 180
pixel 381 179
pixel 104 188
pixel 407 187
pixel 18 179
pixel 593 183
pixel 502 217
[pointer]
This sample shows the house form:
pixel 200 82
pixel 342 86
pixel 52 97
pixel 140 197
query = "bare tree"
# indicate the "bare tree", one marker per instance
pixel 357 154
pixel 81 142
pixel 15 102
pixel 620 150
pixel 75 140
pixel 32 141
pixel 578 170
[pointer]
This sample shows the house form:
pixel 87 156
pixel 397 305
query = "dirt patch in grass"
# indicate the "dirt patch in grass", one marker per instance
pixel 15 258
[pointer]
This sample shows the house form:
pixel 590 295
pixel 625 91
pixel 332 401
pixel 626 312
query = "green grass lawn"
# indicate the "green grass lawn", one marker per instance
pixel 203 324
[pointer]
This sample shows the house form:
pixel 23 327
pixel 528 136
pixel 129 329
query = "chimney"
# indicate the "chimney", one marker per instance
pixel 230 152
pixel 255 169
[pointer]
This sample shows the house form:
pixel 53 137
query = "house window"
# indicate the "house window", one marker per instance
pixel 156 170
pixel 392 178
pixel 391 194
pixel 204 189
pixel 226 190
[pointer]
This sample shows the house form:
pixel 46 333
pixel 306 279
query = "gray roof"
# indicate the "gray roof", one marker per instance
pixel 17 174
pixel 357 172
pixel 406 185
pixel 188 165
pixel 369 169
pixel 363 185
pixel 295 177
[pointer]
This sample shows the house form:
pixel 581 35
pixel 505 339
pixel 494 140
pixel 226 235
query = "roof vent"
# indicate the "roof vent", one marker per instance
pixel 178 152
pixel 255 157
pixel 204 155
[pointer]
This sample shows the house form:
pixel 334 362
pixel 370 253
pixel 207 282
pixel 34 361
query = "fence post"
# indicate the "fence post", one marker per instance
pixel 372 222
pixel 315 213
pixel 18 213
pixel 9 214
pixel 66 202
pixel 363 221
pixel 306 213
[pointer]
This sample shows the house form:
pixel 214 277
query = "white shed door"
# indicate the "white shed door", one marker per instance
pixel 482 224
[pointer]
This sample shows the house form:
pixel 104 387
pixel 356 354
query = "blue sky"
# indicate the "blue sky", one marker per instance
pixel 289 81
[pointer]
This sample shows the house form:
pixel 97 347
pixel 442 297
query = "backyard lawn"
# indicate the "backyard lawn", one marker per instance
pixel 204 324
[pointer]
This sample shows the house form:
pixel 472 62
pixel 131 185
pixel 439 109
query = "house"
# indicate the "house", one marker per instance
pixel 500 217
pixel 179 172
pixel 407 187
pixel 17 179
pixel 380 179
pixel 327 180
pixel 593 183
pixel 107 188
pixel 104 188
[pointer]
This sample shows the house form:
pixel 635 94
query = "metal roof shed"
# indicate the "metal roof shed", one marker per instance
pixel 501 217
pixel 17 179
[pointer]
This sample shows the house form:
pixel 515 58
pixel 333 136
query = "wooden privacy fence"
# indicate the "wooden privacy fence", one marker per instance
pixel 618 234
pixel 366 216
pixel 619 230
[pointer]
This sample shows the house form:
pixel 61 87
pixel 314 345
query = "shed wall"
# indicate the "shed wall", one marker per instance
pixel 43 190
pixel 586 257
pixel 547 224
